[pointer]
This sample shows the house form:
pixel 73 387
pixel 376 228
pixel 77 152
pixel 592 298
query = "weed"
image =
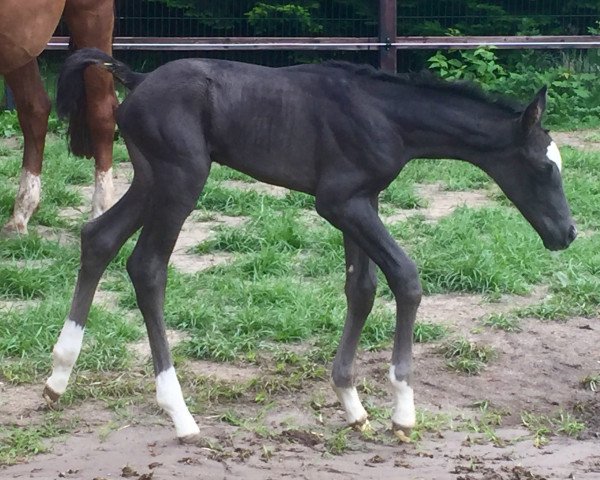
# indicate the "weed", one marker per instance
pixel 429 422
pixel 337 443
pixel 428 332
pixel 542 426
pixel 467 357
pixel 502 321
pixel 19 443
pixel 591 382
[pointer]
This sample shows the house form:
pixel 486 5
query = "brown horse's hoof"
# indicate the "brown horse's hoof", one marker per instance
pixel 50 396
pixel 12 229
pixel 401 433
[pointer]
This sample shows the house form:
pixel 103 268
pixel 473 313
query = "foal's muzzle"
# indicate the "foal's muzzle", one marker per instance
pixel 561 245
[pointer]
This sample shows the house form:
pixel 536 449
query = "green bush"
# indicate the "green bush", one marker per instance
pixel 573 88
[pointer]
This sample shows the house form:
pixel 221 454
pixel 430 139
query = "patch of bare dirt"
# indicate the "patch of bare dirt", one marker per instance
pixel 459 309
pixel 19 305
pixel 195 232
pixel 226 372
pixel 141 348
pixel 581 139
pixel 259 187
pixel 54 234
pixel 536 370
pixel 442 202
pixel 300 454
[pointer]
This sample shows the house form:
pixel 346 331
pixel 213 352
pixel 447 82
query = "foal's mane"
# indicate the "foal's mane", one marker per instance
pixel 427 79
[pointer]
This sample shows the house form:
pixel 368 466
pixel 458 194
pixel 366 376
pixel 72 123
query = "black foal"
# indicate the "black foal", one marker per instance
pixel 337 131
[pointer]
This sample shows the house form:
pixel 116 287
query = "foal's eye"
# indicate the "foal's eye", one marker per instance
pixel 549 168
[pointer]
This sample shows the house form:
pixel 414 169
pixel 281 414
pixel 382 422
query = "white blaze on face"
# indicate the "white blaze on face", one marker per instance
pixel 404 404
pixel 553 154
pixel 102 199
pixel 355 412
pixel 170 398
pixel 64 355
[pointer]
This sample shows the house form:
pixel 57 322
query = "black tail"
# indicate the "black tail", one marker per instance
pixel 70 93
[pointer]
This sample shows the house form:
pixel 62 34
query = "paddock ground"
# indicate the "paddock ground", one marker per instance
pixel 531 412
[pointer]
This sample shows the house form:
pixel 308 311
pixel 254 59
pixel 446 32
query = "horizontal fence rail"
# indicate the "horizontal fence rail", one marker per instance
pixel 340 43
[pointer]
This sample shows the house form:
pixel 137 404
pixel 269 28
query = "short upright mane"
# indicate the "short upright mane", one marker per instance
pixel 426 78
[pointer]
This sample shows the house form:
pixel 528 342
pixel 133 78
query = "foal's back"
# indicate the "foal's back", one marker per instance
pixel 276 124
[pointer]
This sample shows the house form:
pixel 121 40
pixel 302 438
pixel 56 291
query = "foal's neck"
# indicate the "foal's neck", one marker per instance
pixel 433 125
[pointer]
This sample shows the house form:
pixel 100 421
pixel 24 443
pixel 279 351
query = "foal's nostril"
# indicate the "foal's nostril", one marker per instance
pixel 572 233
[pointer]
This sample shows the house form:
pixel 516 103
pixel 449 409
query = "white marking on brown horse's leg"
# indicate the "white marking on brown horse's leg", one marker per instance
pixel 64 356
pixel 404 416
pixel 356 415
pixel 102 199
pixel 26 202
pixel 170 399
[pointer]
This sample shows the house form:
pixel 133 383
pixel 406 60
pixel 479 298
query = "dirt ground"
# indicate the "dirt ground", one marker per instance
pixel 537 370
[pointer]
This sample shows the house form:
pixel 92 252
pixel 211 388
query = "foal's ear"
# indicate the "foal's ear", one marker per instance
pixel 533 113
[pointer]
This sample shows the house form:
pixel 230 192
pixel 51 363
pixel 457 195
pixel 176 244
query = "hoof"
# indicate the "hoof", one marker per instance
pixel 402 433
pixel 362 425
pixel 50 396
pixel 12 229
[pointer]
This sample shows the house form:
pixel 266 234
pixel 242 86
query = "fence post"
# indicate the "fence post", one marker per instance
pixel 387 34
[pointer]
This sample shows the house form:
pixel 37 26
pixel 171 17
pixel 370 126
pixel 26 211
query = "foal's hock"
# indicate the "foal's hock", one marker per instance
pixel 338 131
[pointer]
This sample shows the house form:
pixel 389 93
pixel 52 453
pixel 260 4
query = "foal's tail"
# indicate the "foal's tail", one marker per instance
pixel 70 92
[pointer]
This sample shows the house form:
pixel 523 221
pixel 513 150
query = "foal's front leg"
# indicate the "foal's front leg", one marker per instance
pixel 174 197
pixel 361 284
pixel 358 218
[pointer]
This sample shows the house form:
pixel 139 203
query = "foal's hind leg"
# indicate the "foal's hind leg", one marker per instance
pixel 33 108
pixel 356 217
pixel 101 239
pixel 173 198
pixel 361 284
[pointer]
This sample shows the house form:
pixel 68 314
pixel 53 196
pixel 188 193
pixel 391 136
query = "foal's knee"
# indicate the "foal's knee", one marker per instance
pixel 144 275
pixel 405 284
pixel 360 285
pixel 97 248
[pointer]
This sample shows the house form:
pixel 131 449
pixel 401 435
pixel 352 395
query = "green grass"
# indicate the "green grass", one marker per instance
pixel 29 335
pixel 544 426
pixel 467 357
pixel 19 443
pixel 502 321
pixel 429 332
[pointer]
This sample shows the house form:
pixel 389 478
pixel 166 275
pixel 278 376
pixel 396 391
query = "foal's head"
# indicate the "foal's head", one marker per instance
pixel 529 173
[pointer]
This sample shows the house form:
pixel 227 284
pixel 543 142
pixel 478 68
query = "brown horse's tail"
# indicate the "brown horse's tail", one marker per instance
pixel 70 92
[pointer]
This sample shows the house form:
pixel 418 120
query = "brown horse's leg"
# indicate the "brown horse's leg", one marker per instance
pixel 33 108
pixel 91 24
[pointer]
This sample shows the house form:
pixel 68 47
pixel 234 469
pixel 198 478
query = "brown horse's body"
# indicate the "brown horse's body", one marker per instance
pixel 25 28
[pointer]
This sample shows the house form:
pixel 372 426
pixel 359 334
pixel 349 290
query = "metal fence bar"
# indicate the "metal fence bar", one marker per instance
pixel 338 43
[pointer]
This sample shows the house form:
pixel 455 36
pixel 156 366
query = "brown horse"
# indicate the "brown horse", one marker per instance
pixel 25 28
